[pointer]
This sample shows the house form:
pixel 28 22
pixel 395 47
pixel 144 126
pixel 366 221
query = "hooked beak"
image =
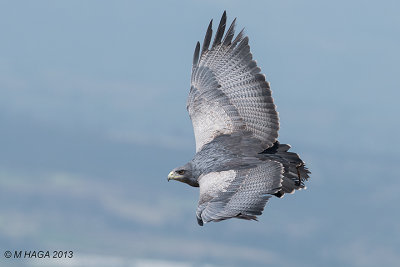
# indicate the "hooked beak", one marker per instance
pixel 174 176
pixel 171 176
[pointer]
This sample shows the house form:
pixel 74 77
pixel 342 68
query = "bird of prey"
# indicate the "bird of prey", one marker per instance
pixel 239 163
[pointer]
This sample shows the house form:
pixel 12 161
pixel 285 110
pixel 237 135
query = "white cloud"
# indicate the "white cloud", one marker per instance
pixel 122 111
pixel 115 199
pixel 152 139
pixel 117 203
pixel 366 253
pixel 93 260
pixel 302 228
pixel 196 250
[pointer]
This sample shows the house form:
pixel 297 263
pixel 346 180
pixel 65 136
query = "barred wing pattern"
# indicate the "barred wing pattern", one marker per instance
pixel 238 193
pixel 228 93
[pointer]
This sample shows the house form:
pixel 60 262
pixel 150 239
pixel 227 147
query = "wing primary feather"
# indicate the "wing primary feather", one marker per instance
pixel 244 44
pixel 228 67
pixel 207 38
pixel 220 31
pixel 196 54
pixel 230 33
pixel 238 38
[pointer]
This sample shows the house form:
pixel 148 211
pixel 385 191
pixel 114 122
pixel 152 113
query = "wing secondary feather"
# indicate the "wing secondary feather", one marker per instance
pixel 238 193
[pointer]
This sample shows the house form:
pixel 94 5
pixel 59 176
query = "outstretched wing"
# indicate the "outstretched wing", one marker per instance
pixel 238 193
pixel 228 93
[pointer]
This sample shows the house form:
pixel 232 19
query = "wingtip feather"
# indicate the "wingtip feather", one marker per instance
pixel 196 54
pixel 220 30
pixel 230 33
pixel 238 38
pixel 207 38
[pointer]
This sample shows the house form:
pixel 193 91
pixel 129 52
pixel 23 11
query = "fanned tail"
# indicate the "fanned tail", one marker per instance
pixel 295 172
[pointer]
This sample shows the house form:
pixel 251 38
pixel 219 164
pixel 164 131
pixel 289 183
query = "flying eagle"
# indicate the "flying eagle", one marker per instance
pixel 239 163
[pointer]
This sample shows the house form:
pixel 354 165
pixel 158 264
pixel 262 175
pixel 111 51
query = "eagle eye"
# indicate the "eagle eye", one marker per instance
pixel 180 172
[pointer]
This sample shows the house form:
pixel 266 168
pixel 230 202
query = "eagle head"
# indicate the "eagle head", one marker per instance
pixel 184 174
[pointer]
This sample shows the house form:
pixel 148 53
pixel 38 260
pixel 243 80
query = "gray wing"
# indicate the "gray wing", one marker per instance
pixel 228 93
pixel 238 193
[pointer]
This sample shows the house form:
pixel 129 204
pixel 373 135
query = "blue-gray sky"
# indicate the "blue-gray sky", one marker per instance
pixel 93 117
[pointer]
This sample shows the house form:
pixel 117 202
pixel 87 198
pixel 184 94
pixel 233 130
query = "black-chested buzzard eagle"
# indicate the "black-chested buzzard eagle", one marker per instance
pixel 239 162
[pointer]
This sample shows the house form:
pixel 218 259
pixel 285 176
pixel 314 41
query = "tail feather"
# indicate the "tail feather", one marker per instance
pixel 295 172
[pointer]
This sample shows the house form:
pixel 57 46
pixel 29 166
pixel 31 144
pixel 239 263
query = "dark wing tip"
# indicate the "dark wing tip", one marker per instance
pixel 196 54
pixel 220 31
pixel 200 221
pixel 230 33
pixel 227 39
pixel 207 38
pixel 238 38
